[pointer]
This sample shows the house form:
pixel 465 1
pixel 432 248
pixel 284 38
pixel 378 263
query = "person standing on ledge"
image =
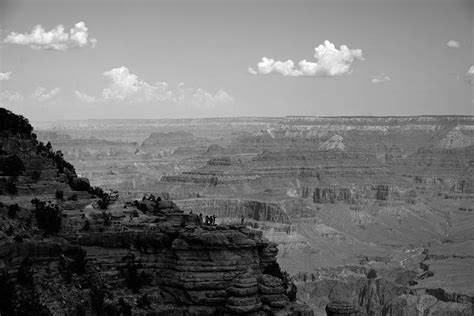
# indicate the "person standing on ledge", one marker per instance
pixel 242 220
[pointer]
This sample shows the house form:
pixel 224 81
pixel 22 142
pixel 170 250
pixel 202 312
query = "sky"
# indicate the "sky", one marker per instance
pixel 171 59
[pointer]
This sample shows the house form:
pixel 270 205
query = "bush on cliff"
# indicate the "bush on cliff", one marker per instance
pixel 25 272
pixel 48 216
pixel 10 186
pixel 12 165
pixel 59 194
pixel 7 292
pixel 12 210
pixel 35 175
pixel 14 123
pixel 134 279
pixel 104 202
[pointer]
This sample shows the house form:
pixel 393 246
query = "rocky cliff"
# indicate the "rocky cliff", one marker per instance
pixel 70 249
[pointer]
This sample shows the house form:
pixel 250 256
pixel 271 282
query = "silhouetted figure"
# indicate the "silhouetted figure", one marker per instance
pixel 242 220
pixel 200 217
pixel 207 220
pixel 213 219
pixel 191 211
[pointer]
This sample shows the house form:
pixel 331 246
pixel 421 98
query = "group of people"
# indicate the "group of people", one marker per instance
pixel 208 220
pixel 211 220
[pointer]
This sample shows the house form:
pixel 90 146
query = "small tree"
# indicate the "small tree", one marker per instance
pixel 35 175
pixel 12 210
pixel 11 186
pixel 48 217
pixel 25 272
pixel 59 194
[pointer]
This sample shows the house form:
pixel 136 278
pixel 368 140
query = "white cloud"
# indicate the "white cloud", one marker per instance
pixel 252 71
pixel 41 95
pixel 5 75
pixel 126 87
pixel 453 44
pixel 470 72
pixel 55 39
pixel 470 75
pixel 329 62
pixel 202 99
pixel 7 96
pixel 84 98
pixel 380 78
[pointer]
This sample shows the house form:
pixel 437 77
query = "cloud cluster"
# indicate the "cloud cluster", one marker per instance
pixel 5 75
pixel 381 78
pixel 329 62
pixel 42 95
pixel 126 87
pixel 453 44
pixel 85 98
pixel 55 39
pixel 470 75
pixel 8 97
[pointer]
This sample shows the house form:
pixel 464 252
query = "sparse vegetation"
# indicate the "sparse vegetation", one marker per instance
pixel 35 175
pixel 11 165
pixel 25 272
pixel 104 202
pixel 59 194
pixel 72 197
pixel 11 186
pixel 48 216
pixel 12 210
pixel 134 279
pixel 14 123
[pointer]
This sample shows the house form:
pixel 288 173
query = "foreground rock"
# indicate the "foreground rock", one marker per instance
pixel 76 250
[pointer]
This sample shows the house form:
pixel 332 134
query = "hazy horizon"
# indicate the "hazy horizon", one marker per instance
pixel 98 60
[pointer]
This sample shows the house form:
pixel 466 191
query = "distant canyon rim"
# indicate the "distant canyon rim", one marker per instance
pixel 340 195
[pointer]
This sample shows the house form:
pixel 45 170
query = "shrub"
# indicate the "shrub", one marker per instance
pixel 11 187
pixel 104 202
pixel 72 197
pixel 48 217
pixel 59 194
pixel 14 123
pixel 143 302
pixel 134 279
pixel 79 261
pixel 97 295
pixel 7 294
pixel 25 272
pixel 35 175
pixel 96 191
pixel 12 210
pixel 12 165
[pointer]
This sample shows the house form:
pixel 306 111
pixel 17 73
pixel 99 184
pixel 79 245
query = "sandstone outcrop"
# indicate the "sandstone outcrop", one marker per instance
pixel 110 256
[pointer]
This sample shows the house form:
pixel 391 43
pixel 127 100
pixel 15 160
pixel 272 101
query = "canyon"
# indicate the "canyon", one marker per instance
pixel 69 248
pixel 376 212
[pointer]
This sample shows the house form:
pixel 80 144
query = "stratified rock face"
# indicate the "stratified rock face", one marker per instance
pixel 243 295
pixel 147 257
pixel 338 308
pixel 215 149
pixel 335 142
pixel 456 139
pixel 169 139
